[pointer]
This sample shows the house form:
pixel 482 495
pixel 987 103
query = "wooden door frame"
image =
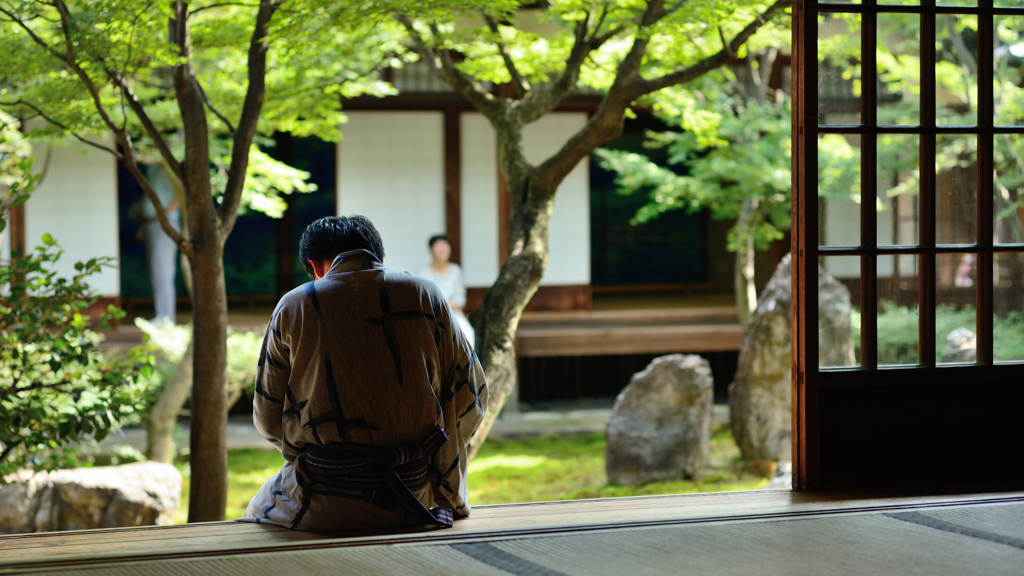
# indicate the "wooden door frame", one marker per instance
pixel 926 394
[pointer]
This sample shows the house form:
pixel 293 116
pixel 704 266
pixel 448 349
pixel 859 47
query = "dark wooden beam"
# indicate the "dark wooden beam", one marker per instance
pixel 17 226
pixel 453 181
pixel 806 462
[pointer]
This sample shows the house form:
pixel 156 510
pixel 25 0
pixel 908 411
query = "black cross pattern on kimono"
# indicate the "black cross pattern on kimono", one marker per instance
pixel 387 320
pixel 337 414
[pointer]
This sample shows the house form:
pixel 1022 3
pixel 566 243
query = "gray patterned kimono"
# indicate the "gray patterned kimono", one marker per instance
pixel 364 357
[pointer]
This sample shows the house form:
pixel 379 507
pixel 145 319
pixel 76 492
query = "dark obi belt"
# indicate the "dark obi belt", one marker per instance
pixel 377 469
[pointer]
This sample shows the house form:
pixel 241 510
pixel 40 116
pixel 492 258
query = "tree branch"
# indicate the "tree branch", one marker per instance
pixel 132 166
pixel 63 127
pixel 540 103
pixel 220 4
pixel 151 130
pixel 41 386
pixel 35 37
pixel 607 122
pixel 7 450
pixel 715 60
pixel 519 83
pixel 251 108
pixel 441 64
pixel 128 157
pixel 206 100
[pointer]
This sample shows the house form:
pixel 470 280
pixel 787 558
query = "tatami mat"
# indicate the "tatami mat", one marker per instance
pixel 980 538
pixel 1007 519
pixel 868 544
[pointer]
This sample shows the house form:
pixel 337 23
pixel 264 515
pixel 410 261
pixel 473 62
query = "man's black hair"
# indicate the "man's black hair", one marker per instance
pixel 330 236
pixel 438 238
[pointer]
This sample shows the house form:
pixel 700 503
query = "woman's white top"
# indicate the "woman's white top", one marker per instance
pixel 453 287
pixel 450 283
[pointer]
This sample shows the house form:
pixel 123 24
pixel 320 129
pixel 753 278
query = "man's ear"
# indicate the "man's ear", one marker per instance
pixel 318 268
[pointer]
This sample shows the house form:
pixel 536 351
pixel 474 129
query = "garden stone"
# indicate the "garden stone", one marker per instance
pixel 139 494
pixel 961 346
pixel 19 501
pixel 660 427
pixel 760 398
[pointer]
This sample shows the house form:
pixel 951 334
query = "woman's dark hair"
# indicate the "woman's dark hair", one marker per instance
pixel 438 238
pixel 330 236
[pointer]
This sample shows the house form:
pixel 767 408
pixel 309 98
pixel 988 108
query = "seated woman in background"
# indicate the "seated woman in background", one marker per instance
pixel 448 276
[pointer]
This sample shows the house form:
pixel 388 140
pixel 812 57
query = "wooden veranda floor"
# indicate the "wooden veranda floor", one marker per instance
pixel 761 532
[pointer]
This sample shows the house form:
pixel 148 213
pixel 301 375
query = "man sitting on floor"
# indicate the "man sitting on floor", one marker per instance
pixel 370 390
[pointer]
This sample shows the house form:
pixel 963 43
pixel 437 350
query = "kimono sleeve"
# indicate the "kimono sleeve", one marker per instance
pixel 272 375
pixel 464 404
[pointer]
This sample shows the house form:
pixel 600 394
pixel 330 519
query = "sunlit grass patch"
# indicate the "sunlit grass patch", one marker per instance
pixel 248 469
pixel 572 468
pixel 528 470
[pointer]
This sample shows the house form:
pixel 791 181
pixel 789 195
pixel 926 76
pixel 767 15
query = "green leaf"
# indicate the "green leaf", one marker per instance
pixel 48 239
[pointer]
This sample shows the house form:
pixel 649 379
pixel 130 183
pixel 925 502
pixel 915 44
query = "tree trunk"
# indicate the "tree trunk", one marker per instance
pixel 743 270
pixel 164 414
pixel 497 319
pixel 743 283
pixel 208 442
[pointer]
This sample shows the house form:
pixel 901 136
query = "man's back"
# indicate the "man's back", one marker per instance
pixel 364 357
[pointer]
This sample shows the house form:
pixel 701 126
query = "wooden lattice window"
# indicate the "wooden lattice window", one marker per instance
pixel 908 164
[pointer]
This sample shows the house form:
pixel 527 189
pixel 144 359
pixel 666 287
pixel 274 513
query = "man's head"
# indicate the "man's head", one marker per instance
pixel 324 239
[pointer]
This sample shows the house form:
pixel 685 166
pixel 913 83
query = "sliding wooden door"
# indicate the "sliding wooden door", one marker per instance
pixel 908 169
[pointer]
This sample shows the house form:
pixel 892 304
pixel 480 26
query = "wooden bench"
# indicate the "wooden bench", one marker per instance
pixel 652 331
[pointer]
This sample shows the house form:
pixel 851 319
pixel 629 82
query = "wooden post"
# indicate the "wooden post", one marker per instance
pixel 804 259
pixel 453 181
pixel 16 223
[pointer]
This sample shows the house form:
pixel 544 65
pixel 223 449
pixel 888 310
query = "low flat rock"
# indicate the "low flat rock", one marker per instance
pixel 140 494
pixel 961 346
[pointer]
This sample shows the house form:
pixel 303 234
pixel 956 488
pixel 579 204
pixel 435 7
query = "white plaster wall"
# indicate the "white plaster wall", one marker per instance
pixel 391 170
pixel 77 204
pixel 479 200
pixel 569 240
pixel 842 228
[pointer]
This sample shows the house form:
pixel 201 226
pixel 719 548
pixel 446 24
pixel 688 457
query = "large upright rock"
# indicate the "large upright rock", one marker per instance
pixel 138 494
pixel 760 398
pixel 660 428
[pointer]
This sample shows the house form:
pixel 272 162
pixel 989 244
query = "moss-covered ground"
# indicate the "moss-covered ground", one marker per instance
pixel 530 470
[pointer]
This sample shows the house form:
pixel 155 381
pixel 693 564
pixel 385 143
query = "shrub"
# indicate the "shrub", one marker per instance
pixel 898 332
pixel 170 341
pixel 56 387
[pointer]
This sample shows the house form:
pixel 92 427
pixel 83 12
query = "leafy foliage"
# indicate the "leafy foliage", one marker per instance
pixel 56 386
pixel 898 331
pixel 16 177
pixel 733 150
pixel 730 146
pixel 320 52
pixel 169 341
pixel 540 40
